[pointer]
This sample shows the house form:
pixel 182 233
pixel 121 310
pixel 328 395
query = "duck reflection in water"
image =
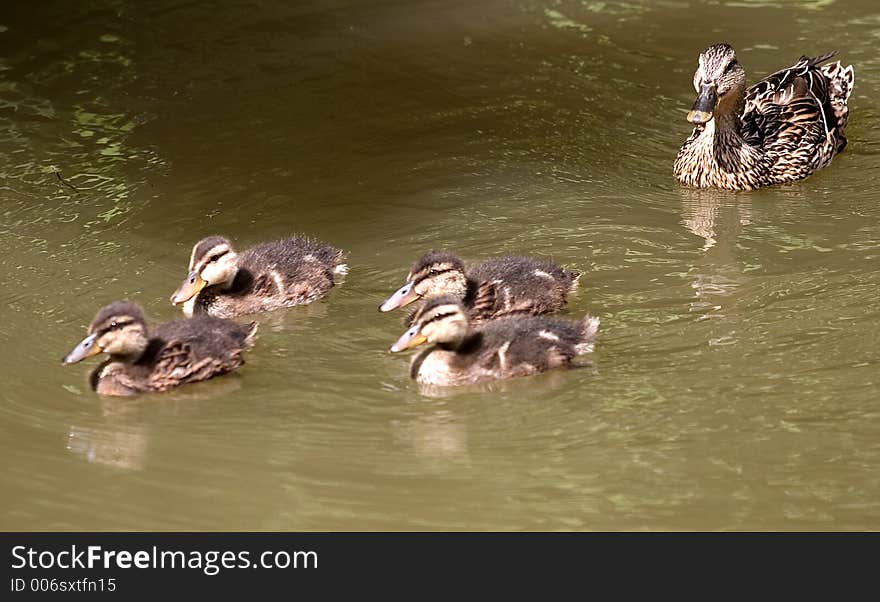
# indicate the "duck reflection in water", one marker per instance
pixel 119 436
pixel 718 217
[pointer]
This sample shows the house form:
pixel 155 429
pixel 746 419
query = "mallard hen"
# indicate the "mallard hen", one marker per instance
pixel 781 129
pixel 491 288
pixel 162 357
pixel 272 275
pixel 502 348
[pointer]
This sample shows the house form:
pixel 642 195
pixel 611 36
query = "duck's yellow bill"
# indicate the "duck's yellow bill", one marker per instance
pixel 699 117
pixel 704 106
pixel 85 348
pixel 409 339
pixel 405 295
pixel 189 288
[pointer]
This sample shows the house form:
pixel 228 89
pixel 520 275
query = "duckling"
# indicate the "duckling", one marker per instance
pixel 489 289
pixel 501 348
pixel 163 357
pixel 781 129
pixel 272 275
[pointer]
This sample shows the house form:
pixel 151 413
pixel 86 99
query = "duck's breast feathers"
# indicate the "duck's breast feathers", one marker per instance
pixel 795 102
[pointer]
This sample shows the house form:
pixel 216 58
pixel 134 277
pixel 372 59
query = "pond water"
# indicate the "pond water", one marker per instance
pixel 735 380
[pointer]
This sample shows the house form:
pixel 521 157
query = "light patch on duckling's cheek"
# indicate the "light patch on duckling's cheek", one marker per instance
pixel 210 274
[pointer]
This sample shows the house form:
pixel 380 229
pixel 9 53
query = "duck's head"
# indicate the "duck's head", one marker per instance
pixel 718 81
pixel 118 329
pixel 212 263
pixel 440 320
pixel 435 273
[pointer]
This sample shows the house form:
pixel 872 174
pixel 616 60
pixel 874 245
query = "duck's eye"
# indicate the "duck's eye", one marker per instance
pixel 114 324
pixel 730 66
pixel 214 257
pixel 433 272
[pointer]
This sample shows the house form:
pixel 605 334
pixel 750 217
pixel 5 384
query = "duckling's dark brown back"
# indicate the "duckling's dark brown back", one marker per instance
pixel 206 336
pixel 295 258
pixel 541 342
pixel 525 284
pixel 303 268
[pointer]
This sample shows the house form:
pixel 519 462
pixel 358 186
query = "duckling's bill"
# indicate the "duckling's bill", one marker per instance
pixel 85 348
pixel 189 288
pixel 704 106
pixel 405 295
pixel 410 338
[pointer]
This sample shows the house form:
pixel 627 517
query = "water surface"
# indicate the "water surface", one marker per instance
pixel 734 384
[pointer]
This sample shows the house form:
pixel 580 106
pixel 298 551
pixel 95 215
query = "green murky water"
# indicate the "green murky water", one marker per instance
pixel 735 383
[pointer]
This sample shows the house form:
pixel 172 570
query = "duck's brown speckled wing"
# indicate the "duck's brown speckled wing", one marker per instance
pixel 790 112
pixel 196 349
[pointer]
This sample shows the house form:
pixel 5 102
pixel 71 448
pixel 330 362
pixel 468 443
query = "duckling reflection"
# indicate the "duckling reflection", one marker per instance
pixel 120 435
pixel 436 433
pixel 124 449
pixel 500 348
pixel 540 384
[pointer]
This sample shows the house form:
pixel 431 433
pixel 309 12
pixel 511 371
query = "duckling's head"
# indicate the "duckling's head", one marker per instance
pixel 719 82
pixel 440 320
pixel 435 273
pixel 212 263
pixel 118 329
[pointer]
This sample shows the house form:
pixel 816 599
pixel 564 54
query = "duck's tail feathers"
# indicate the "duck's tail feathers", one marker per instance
pixel 812 61
pixel 589 330
pixel 840 87
pixel 341 269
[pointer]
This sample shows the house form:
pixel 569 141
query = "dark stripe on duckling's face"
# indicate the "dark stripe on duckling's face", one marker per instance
pixel 426 280
pixel 204 259
pixel 440 279
pixel 105 334
pixel 440 316
pixel 432 272
pixel 203 248
pixel 211 255
pixel 113 324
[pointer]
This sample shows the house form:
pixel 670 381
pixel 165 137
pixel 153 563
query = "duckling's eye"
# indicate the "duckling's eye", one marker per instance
pixel 433 272
pixel 114 324
pixel 214 257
